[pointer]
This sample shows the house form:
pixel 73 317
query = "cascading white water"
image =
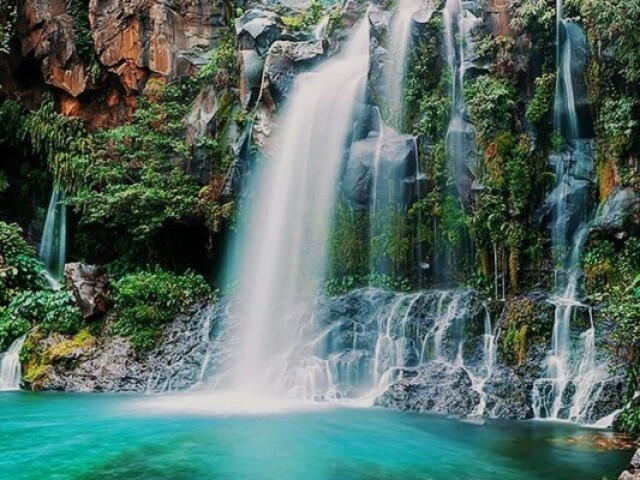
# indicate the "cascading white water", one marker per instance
pixel 396 58
pixel 10 371
pixel 461 134
pixel 393 150
pixel 283 257
pixel 569 362
pixel 360 358
pixel 53 246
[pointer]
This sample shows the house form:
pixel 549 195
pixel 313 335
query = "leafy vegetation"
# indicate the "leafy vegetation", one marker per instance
pixel 19 269
pixel 146 301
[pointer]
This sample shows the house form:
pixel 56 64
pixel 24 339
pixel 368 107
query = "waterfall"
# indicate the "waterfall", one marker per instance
pixel 283 250
pixel 395 154
pixel 396 58
pixel 10 371
pixel 54 237
pixel 461 134
pixel 570 362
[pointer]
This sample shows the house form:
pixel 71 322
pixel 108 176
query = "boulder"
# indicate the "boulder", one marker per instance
pixel 621 205
pixel 89 285
pixel 86 364
pixel 633 470
pixel 436 387
pixel 257 29
pixel 285 61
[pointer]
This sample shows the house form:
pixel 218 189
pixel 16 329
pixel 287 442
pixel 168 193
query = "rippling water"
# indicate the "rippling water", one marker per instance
pixel 67 436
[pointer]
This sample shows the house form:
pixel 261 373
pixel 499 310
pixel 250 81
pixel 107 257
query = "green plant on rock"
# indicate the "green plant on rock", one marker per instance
pixel 491 103
pixel 541 104
pixel 146 301
pixel 48 311
pixel 19 269
pixel 8 18
pixel 618 121
pixel 613 24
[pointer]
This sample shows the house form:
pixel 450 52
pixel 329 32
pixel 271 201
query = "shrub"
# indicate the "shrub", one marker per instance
pixel 49 311
pixel 19 269
pixel 146 301
pixel 491 102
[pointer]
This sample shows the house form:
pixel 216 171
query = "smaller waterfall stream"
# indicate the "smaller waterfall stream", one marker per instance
pixel 53 246
pixel 10 371
pixel 396 58
pixel 575 374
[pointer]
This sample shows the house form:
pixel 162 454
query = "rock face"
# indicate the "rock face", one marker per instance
pixel 46 31
pixel 89 286
pixel 434 388
pixel 633 470
pixel 285 60
pixel 112 365
pixel 621 206
pixel 172 39
pixel 99 55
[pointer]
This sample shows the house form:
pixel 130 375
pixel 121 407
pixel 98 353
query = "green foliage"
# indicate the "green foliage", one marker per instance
pixel 629 420
pixel 19 269
pixel 146 301
pixel 300 21
pixel 348 244
pixel 541 104
pixel 491 102
pixel 613 23
pixel 618 121
pixel 8 17
pixel 50 311
pixel 426 92
pixel 82 38
pixel 613 280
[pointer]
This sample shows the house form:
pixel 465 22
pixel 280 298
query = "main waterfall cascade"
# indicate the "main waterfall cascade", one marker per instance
pixel 53 244
pixel 283 257
pixel 571 362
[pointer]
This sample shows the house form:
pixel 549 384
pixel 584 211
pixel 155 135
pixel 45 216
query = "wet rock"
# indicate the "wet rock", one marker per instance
pixel 112 365
pixel 608 397
pixel 89 285
pixel 285 61
pixel 633 470
pixel 257 30
pixel 508 395
pixel 437 387
pixel 621 205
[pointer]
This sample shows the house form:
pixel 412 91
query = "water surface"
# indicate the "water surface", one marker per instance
pixel 82 437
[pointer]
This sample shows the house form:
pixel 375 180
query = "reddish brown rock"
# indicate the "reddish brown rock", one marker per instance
pixel 46 32
pixel 170 38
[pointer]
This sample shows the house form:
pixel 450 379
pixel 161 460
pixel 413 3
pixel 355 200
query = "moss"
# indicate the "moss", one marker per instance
pixel 82 339
pixel 519 318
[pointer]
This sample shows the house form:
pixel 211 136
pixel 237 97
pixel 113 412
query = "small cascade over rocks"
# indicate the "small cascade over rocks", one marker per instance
pixel 575 375
pixel 10 370
pixel 369 346
pixel 53 245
